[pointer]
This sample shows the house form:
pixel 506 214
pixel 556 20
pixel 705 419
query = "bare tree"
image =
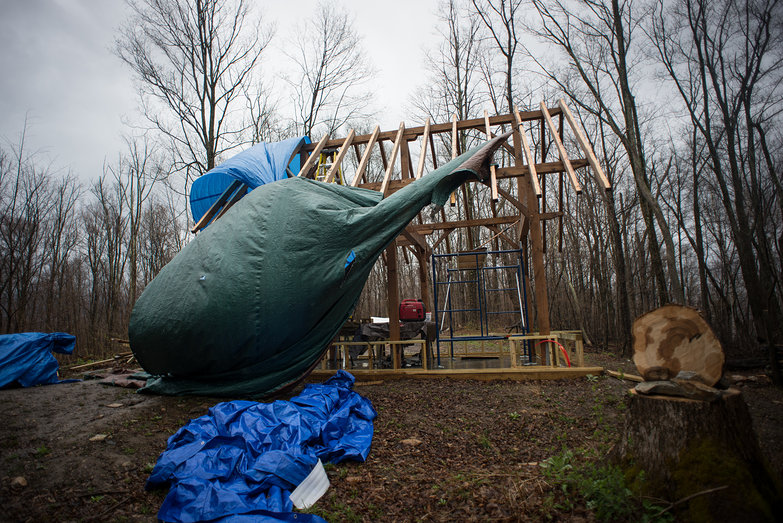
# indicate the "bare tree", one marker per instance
pixel 725 60
pixel 595 39
pixel 24 200
pixel 192 59
pixel 136 175
pixel 331 72
pixel 499 18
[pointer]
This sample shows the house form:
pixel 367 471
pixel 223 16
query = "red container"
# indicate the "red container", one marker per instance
pixel 411 310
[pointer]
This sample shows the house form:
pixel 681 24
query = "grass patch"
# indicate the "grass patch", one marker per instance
pixel 602 489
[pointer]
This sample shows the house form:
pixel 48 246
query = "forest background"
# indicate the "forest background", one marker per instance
pixel 681 100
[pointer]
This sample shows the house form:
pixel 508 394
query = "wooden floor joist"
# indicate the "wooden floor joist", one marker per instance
pixel 518 374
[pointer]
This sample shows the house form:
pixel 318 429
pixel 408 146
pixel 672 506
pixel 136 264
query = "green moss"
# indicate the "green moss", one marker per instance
pixel 704 465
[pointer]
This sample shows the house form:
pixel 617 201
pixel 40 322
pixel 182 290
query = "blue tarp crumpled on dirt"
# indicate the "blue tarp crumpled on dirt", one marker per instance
pixel 26 358
pixel 242 460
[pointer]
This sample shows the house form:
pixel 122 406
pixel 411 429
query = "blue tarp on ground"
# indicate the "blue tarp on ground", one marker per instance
pixel 263 163
pixel 27 359
pixel 242 460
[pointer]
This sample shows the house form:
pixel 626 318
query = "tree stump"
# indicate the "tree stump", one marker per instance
pixel 702 454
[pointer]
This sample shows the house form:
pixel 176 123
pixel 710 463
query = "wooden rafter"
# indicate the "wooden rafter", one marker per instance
pixel 366 158
pixel 339 158
pixel 585 145
pixel 563 154
pixel 313 156
pixel 493 181
pixel 395 151
pixel 425 139
pixel 531 162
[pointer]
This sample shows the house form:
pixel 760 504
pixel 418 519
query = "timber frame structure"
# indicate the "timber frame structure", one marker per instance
pixel 530 166
pixel 520 208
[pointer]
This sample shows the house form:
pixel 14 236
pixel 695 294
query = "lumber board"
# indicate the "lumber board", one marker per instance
pixel 516 374
pixel 624 376
pixel 585 145
pixel 313 156
pixel 395 151
pixel 425 140
pixel 559 144
pixel 531 162
pixel 215 207
pixel 366 157
pixel 493 181
pixel 340 155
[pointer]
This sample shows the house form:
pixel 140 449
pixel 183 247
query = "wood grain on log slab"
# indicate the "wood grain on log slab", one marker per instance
pixel 675 338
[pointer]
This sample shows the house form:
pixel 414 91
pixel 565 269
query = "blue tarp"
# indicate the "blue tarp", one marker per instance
pixel 27 359
pixel 262 163
pixel 242 460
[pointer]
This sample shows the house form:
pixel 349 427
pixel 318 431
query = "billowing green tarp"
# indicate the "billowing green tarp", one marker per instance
pixel 250 304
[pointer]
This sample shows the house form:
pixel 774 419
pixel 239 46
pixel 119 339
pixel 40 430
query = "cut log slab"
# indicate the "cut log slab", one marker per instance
pixel 675 338
pixel 692 448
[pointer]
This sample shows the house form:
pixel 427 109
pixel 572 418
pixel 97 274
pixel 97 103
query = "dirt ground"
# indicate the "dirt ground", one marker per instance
pixel 444 450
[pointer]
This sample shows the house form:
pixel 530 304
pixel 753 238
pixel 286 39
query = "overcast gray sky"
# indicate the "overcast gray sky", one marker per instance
pixel 56 67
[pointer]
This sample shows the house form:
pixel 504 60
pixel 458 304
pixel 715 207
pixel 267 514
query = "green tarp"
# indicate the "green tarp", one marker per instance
pixel 250 305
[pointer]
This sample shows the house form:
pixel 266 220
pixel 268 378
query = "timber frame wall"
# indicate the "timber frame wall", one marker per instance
pixel 528 166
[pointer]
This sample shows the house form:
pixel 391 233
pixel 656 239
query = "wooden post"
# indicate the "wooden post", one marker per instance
pixel 527 195
pixel 393 301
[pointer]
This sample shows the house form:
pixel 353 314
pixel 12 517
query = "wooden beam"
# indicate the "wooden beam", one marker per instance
pixel 340 155
pixel 311 159
pixel 215 207
pixel 502 174
pixel 531 162
pixel 423 155
pixel 414 133
pixel 454 151
pixel 443 237
pixel 366 158
pixel 522 208
pixel 585 145
pixel 416 239
pixel 393 301
pixel 429 228
pixel 395 151
pixel 563 154
pixel 493 181
pixel 383 154
pixel 238 195
pixel 432 150
pixel 405 161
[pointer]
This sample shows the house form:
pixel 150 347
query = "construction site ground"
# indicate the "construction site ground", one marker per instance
pixel 443 450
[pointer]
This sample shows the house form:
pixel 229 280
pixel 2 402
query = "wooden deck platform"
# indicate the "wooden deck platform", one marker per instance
pixel 516 374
